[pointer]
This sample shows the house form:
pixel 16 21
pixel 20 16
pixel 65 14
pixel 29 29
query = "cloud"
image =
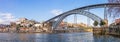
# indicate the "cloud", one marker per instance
pixel 56 11
pixel 6 18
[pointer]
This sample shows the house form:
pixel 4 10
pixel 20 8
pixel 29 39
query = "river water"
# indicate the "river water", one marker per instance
pixel 61 37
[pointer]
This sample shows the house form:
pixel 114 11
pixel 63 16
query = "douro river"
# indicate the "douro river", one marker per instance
pixel 61 37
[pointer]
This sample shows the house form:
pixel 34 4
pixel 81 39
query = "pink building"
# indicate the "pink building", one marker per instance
pixel 117 21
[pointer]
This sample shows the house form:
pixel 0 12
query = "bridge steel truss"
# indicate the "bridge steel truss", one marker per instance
pixel 82 11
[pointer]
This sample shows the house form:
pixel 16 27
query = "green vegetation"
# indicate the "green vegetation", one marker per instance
pixel 95 23
pixel 102 23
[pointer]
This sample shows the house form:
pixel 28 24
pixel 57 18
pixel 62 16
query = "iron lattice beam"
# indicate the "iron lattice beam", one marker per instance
pixel 88 7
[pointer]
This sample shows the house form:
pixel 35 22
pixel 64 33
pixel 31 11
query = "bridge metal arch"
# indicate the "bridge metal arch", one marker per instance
pixel 88 7
pixel 85 13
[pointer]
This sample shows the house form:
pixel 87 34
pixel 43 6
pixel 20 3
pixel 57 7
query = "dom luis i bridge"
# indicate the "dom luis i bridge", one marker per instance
pixel 55 21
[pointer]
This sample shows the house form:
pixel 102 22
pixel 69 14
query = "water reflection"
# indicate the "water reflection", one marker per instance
pixel 65 37
pixel 105 38
pixel 62 37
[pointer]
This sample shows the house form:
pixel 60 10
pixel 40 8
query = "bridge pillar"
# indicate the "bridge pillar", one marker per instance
pixel 105 12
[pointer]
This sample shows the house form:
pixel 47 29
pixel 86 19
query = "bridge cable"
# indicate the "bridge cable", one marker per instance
pixel 75 19
pixel 88 20
pixel 66 22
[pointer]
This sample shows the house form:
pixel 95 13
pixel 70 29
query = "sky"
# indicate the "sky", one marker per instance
pixel 42 10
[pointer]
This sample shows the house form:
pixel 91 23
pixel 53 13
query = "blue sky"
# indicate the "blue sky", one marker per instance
pixel 40 10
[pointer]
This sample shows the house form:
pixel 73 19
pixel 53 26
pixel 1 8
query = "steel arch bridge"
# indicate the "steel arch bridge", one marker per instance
pixel 82 11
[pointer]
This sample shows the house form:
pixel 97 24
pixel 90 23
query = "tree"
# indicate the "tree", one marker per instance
pixel 102 23
pixel 95 23
pixel 113 11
